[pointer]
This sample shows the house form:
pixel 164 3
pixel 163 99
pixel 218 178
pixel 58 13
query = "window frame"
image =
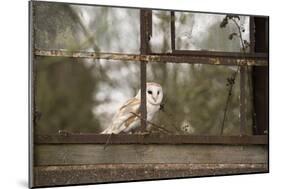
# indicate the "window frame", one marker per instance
pixel 256 59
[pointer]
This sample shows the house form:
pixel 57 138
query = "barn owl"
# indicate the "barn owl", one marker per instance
pixel 126 119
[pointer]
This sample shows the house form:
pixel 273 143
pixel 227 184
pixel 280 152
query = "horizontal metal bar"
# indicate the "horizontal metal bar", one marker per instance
pixel 89 138
pixel 162 58
pixel 210 59
pixel 220 54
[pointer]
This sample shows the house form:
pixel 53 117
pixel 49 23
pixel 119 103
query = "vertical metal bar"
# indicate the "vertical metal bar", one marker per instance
pixel 252 34
pixel 250 74
pixel 143 96
pixel 146 32
pixel 142 70
pixel 149 26
pixel 243 74
pixel 173 35
pixel 260 76
pixel 267 76
pixel 242 100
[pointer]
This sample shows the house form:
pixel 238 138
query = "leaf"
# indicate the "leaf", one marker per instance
pixel 246 44
pixel 230 37
pixel 236 17
pixel 224 22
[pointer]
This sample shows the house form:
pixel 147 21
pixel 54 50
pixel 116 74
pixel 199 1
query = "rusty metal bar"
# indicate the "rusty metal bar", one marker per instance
pixel 250 74
pixel 242 104
pixel 252 34
pixel 173 35
pixel 145 33
pixel 149 26
pixel 148 57
pixel 220 54
pixel 89 138
pixel 143 96
pixel 261 76
pixel 145 30
pixel 257 59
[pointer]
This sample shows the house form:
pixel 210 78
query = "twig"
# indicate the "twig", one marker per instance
pixel 173 120
pixel 162 108
pixel 234 75
pixel 153 124
pixel 228 100
pixel 107 141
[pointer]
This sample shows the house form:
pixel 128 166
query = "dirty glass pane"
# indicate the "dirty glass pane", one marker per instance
pixel 78 95
pixel 77 27
pixel 160 40
pixel 201 31
pixel 195 97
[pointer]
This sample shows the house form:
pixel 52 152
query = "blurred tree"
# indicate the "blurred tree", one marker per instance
pixel 64 96
pixel 64 87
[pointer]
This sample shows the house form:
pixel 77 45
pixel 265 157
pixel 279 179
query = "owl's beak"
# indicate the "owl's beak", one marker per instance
pixel 154 98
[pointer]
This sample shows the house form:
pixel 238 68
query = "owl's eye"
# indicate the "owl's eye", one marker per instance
pixel 149 92
pixel 158 92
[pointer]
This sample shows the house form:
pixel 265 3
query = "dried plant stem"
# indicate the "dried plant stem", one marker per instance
pixel 153 124
pixel 243 63
pixel 107 141
pixel 228 100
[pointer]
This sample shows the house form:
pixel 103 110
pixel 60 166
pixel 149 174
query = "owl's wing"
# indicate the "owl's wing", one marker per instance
pixel 124 117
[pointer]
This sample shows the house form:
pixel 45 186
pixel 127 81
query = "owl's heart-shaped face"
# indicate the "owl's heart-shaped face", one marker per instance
pixel 154 93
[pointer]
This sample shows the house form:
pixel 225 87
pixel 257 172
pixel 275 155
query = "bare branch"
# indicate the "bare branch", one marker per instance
pixel 153 124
